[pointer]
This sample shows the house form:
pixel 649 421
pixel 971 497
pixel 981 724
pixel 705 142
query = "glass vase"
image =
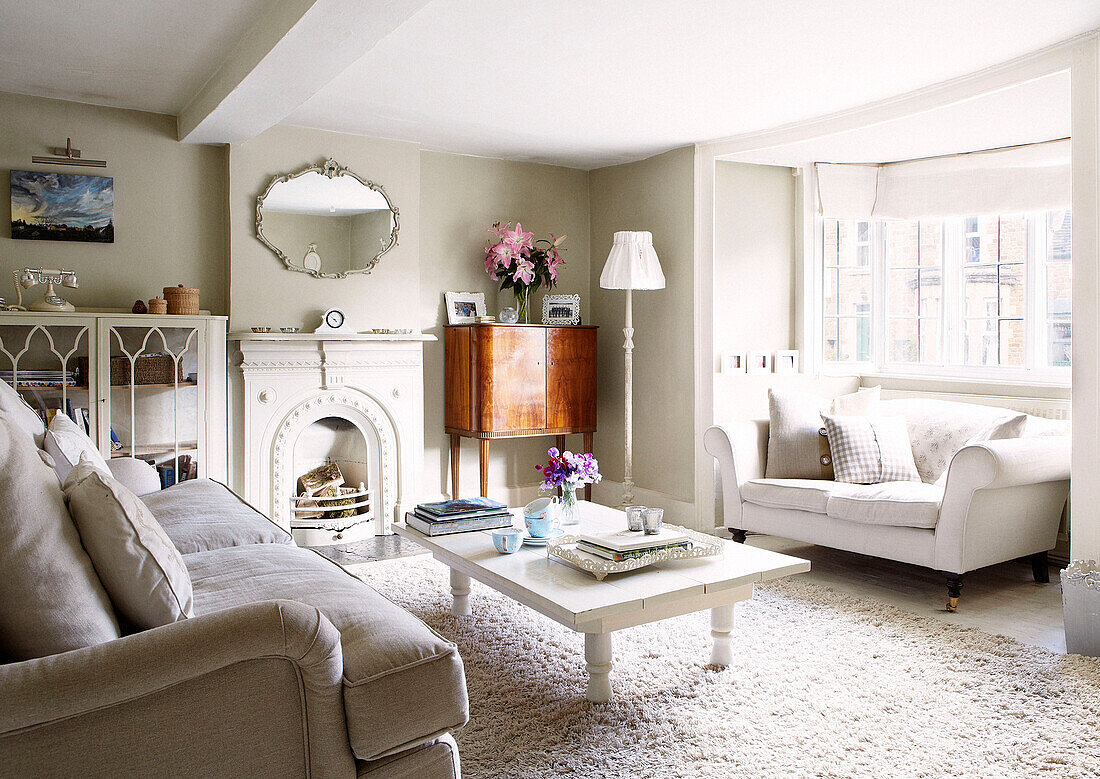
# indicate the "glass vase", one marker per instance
pixel 523 297
pixel 569 514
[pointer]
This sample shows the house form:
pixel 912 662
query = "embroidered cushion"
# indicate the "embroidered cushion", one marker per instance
pixel 870 450
pixel 1012 427
pixel 67 443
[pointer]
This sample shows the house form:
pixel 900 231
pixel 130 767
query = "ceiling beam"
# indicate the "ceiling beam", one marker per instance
pixel 287 56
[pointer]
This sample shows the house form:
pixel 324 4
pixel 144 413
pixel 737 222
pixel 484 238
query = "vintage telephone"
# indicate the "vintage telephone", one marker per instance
pixel 51 301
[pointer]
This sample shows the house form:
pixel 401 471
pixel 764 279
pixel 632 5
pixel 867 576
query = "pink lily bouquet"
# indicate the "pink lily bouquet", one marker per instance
pixel 521 263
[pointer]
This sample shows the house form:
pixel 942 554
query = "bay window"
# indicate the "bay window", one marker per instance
pixel 971 295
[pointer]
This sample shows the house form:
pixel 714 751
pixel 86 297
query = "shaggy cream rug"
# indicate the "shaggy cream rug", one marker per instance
pixel 822 684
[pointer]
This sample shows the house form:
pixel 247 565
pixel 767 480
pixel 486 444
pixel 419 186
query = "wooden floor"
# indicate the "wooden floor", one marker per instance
pixel 1003 599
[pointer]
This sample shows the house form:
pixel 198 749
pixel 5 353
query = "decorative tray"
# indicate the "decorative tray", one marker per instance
pixel 565 548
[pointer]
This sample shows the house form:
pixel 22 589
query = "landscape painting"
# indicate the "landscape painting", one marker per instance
pixel 62 207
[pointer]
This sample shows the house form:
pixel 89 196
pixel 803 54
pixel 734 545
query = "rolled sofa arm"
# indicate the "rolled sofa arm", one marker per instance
pixel 255 687
pixel 139 476
pixel 1003 499
pixel 741 450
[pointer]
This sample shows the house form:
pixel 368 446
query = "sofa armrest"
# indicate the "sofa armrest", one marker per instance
pixel 1003 499
pixel 255 687
pixel 741 449
pixel 137 475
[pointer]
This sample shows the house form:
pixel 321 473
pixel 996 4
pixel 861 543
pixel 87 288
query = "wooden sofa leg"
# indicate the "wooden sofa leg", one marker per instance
pixel 954 588
pixel 738 535
pixel 1040 569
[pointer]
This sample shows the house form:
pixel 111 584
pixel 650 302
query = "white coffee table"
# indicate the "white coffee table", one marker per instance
pixel 575 599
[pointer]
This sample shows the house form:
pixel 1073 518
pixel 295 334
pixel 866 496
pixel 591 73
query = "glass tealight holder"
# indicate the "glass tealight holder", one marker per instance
pixel 652 519
pixel 634 519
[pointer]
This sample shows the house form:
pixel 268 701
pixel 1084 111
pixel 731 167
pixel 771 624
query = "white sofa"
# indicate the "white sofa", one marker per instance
pixel 1002 499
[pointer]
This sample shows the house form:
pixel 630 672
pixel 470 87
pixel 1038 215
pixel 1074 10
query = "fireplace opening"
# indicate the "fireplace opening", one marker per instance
pixel 332 499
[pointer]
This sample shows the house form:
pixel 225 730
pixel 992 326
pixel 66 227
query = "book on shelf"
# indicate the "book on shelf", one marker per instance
pixel 87 421
pixel 167 473
pixel 445 508
pixel 618 557
pixel 116 444
pixel 429 528
pixel 630 540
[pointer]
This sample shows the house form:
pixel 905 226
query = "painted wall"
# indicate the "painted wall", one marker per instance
pixel 460 197
pixel 170 204
pixel 263 292
pixel 658 195
pixel 754 278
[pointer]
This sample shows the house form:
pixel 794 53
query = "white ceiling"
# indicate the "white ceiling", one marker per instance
pixel 143 54
pixel 571 82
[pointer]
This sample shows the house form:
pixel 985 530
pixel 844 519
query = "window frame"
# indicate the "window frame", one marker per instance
pixel 1035 369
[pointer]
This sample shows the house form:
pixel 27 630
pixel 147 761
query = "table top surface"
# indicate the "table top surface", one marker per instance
pixel 568 594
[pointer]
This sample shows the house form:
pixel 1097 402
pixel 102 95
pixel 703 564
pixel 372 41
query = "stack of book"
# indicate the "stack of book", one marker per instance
pixel 459 516
pixel 626 545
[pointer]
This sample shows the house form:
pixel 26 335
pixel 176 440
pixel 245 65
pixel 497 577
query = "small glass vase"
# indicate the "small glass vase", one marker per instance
pixel 569 514
pixel 523 297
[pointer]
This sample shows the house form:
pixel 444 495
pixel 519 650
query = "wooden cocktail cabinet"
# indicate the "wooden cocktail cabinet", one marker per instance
pixel 511 381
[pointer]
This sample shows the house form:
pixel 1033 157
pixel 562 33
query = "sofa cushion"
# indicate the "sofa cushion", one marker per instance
pixel 201 514
pixel 797 449
pixel 1009 427
pixel 137 563
pixel 50 597
pixel 66 442
pixel 403 682
pixel 898 503
pixel 21 414
pixel 796 494
pixel 870 450
pixel 939 428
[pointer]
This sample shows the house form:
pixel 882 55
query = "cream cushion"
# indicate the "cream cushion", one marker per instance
pixel 797 449
pixel 1010 427
pixel 21 414
pixel 795 494
pixel 67 443
pixel 897 503
pixel 939 428
pixel 51 600
pixel 142 571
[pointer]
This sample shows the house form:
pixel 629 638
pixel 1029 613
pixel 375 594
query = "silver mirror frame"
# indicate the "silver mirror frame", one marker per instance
pixel 331 169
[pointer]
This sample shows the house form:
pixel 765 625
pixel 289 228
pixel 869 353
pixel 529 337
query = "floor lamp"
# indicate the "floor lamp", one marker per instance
pixel 632 264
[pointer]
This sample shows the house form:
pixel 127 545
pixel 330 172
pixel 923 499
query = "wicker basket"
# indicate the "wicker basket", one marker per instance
pixel 158 305
pixel 182 300
pixel 148 369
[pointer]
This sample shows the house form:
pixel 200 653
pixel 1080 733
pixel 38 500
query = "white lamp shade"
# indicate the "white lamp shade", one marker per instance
pixel 632 263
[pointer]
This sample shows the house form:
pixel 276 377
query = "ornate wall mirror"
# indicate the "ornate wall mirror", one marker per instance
pixel 326 221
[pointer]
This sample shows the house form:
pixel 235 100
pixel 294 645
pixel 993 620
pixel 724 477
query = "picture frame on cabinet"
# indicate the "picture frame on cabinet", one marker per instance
pixel 464 308
pixel 561 310
pixel 759 362
pixel 734 362
pixel 786 361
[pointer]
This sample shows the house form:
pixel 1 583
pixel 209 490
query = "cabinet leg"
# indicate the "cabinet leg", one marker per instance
pixel 559 441
pixel 588 448
pixel 456 458
pixel 483 466
pixel 597 655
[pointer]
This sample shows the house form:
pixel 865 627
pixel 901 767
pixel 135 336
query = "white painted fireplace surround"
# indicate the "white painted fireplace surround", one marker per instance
pixel 374 382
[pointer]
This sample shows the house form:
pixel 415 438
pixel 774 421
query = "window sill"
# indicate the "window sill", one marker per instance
pixel 1052 386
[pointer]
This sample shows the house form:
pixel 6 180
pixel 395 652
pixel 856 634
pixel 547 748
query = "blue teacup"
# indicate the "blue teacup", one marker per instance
pixel 507 540
pixel 539 526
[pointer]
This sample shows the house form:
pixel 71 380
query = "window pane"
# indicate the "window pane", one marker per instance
pixel 1059 280
pixel 854 341
pixel 855 292
pixel 979 293
pixel 931 291
pixel 1012 342
pixel 980 342
pixel 829 291
pixel 1013 300
pixel 931 242
pixel 903 292
pixel 830 345
pixel 930 341
pixel 1012 242
pixel 902 340
pixel 902 244
pixel 849 243
pixel 829 241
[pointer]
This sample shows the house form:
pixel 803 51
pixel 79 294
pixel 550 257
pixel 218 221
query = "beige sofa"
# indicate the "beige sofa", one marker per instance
pixel 1001 500
pixel 290 667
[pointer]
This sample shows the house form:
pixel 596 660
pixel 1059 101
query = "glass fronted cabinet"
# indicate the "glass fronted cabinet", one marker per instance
pixel 146 386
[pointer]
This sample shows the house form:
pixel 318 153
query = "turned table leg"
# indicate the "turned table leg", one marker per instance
pixel 456 457
pixel 721 625
pixel 460 592
pixel 597 654
pixel 483 466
